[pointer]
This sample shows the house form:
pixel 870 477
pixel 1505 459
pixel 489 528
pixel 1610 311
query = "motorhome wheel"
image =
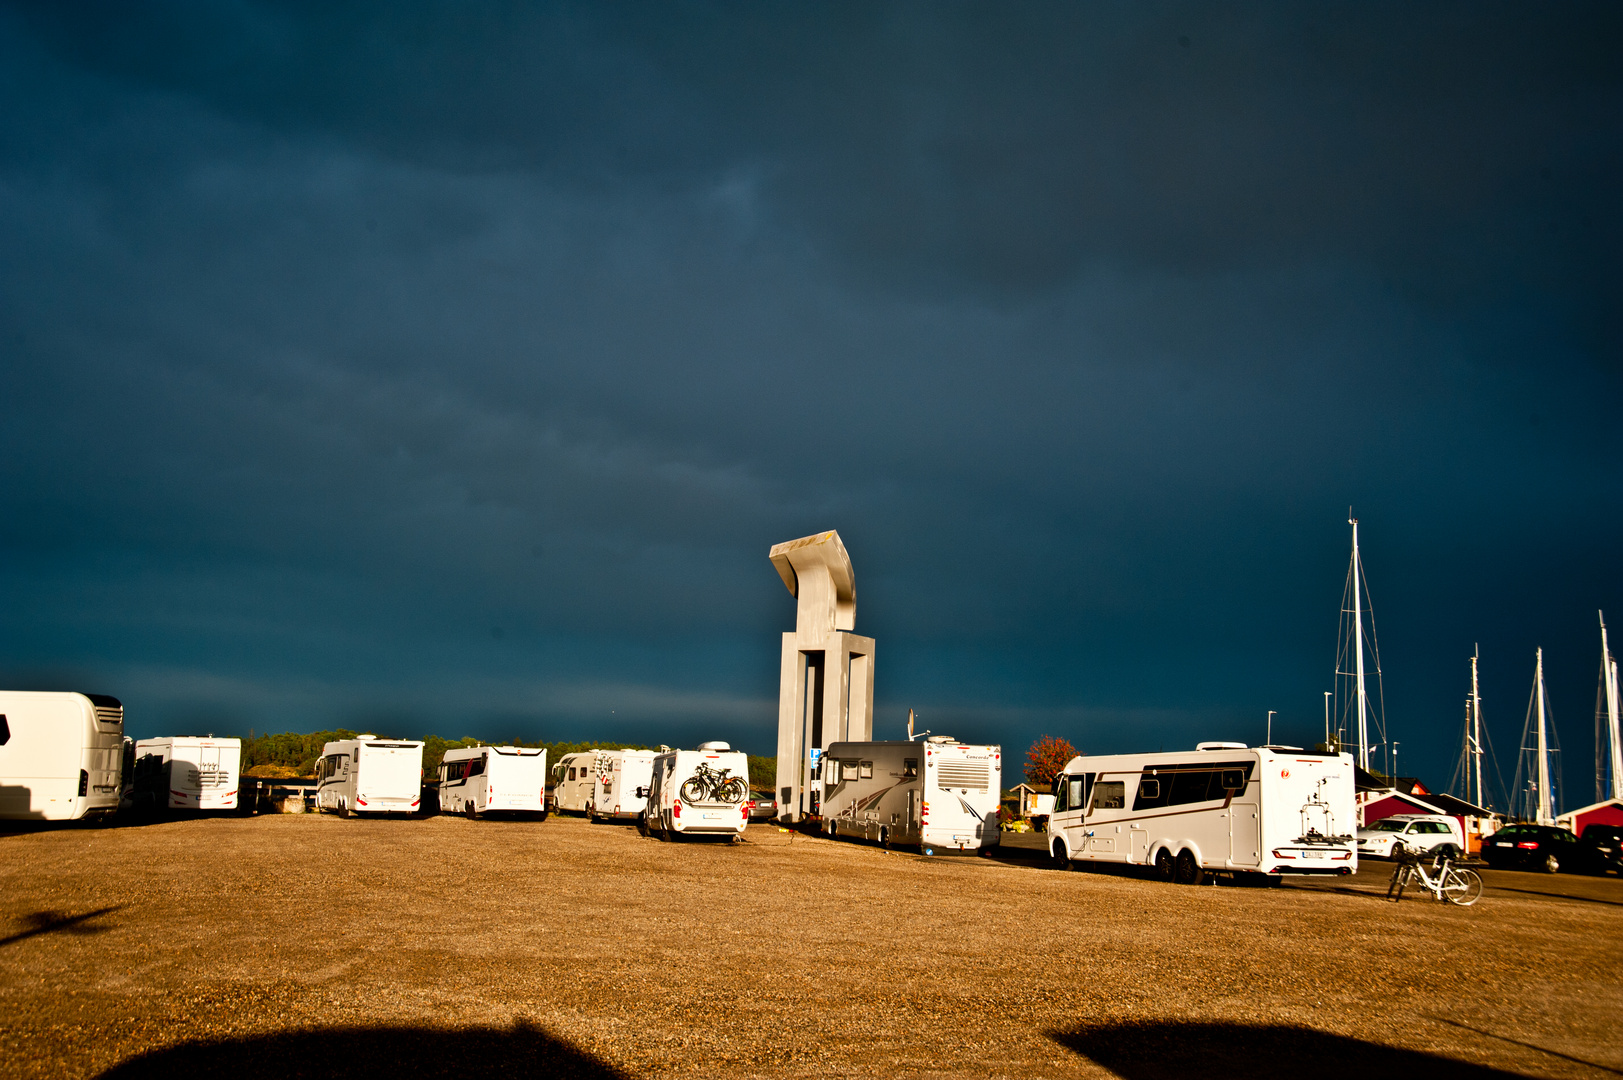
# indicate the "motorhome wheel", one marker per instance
pixel 343 808
pixel 884 837
pixel 1061 860
pixel 642 823
pixel 1163 865
pixel 1187 871
pixel 471 809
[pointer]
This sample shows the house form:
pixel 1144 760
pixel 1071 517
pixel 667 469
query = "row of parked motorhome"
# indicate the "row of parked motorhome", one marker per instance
pixel 1224 807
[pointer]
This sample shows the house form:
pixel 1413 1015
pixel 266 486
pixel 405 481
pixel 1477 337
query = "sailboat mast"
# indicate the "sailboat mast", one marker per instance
pixel 1358 647
pixel 1545 814
pixel 1476 731
pixel 1608 673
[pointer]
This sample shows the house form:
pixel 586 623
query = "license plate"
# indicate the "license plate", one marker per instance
pixel 962 839
pixel 1502 843
pixel 711 817
pixel 1312 854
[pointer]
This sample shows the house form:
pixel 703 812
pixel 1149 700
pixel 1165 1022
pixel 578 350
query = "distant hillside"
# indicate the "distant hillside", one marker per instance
pixel 293 754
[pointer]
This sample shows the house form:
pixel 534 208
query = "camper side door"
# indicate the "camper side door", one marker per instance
pixel 1071 794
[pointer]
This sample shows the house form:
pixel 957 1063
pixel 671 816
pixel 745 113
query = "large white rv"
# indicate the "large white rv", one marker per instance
pixel 1223 807
pixel 507 779
pixel 621 774
pixel 61 755
pixel 369 775
pixel 703 792
pixel 574 781
pixel 939 794
pixel 186 773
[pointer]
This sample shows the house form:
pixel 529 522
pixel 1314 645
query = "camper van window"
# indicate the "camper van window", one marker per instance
pixel 1075 793
pixel 910 766
pixel 1109 795
pixel 476 767
pixel 1149 788
pixel 867 770
pixel 1233 779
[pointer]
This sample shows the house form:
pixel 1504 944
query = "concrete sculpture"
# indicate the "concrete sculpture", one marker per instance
pixel 826 692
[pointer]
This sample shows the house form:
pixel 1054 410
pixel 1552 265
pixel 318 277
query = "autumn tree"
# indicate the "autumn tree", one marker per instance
pixel 1046 759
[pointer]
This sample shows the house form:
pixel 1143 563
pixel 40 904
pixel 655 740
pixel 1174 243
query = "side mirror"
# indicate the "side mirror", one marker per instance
pixel 642 793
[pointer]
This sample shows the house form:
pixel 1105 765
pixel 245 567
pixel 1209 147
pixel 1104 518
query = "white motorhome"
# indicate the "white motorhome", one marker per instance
pixel 621 774
pixel 703 792
pixel 1223 807
pixel 61 755
pixel 480 779
pixel 940 794
pixel 574 781
pixel 186 773
pixel 369 775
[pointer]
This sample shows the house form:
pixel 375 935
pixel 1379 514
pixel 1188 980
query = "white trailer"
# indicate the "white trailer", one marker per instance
pixel 186 773
pixel 1222 808
pixel 369 775
pixel 940 794
pixel 703 792
pixel 574 781
pixel 61 755
pixel 507 779
pixel 620 775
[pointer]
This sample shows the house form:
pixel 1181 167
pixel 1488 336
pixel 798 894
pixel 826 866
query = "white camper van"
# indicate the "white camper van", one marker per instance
pixel 61 755
pixel 939 794
pixel 703 792
pixel 621 774
pixel 181 773
pixel 369 775
pixel 574 781
pixel 1223 807
pixel 507 779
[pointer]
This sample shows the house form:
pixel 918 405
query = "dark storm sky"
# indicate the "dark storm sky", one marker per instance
pixel 443 368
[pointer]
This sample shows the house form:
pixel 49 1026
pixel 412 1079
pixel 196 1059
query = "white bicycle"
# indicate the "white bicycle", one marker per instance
pixel 1445 882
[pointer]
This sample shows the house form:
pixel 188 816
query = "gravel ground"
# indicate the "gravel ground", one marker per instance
pixel 309 946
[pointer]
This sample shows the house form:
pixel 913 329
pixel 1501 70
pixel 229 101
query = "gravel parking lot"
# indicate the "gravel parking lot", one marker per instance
pixel 310 946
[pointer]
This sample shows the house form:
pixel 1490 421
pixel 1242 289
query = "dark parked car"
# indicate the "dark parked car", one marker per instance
pixel 1534 847
pixel 764 808
pixel 1603 848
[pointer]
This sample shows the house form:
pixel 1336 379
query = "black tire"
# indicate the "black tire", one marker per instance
pixel 1165 865
pixel 471 810
pixel 343 808
pixel 1061 860
pixel 1397 852
pixel 1550 864
pixel 543 816
pixel 1186 871
pixel 642 823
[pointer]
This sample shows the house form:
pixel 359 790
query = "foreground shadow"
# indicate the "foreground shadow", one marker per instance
pixel 365 1053
pixel 50 922
pixel 1177 1051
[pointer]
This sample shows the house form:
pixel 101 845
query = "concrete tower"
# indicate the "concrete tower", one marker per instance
pixel 826 693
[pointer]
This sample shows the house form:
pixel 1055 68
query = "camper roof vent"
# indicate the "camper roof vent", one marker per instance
pixel 941 738
pixel 715 746
pixel 1220 746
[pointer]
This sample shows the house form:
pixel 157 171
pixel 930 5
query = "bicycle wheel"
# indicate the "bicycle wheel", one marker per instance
pixel 734 790
pixel 1399 882
pixel 693 790
pixel 1462 887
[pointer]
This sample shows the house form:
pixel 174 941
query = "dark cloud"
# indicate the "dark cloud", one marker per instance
pixel 339 339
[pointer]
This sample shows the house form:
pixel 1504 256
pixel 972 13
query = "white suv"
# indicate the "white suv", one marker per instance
pixel 1390 837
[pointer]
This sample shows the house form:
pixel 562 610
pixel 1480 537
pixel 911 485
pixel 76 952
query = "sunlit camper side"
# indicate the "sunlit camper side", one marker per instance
pixel 1223 807
pixel 703 792
pixel 574 781
pixel 186 773
pixel 61 755
pixel 369 775
pixel 940 795
pixel 620 775
pixel 505 779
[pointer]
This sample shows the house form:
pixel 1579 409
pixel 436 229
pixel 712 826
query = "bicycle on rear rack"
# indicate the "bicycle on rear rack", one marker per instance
pixel 1445 882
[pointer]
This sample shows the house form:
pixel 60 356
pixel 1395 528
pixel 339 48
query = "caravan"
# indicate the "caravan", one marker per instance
pixel 508 779
pixel 61 755
pixel 703 792
pixel 1224 808
pixel 574 782
pixel 940 794
pixel 180 773
pixel 369 775
pixel 620 775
